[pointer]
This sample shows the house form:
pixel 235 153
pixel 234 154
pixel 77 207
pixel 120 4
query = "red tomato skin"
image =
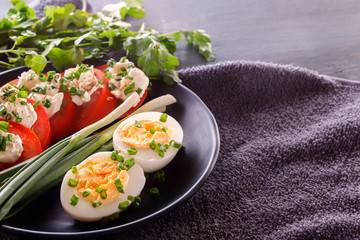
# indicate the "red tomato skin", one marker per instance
pixel 61 122
pixel 42 125
pixel 15 81
pixel 30 141
pixel 101 104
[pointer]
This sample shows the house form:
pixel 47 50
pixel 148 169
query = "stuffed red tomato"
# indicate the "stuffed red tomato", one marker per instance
pixel 53 105
pixel 44 90
pixel 16 106
pixel 98 91
pixel 17 144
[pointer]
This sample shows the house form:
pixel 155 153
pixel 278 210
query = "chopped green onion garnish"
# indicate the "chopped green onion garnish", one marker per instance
pixel 96 204
pixel 74 170
pixel 3 141
pixel 103 194
pixel 139 90
pixel 39 89
pixel 12 98
pixel 163 129
pixel 135 201
pixel 73 182
pixel 130 77
pixel 111 62
pixel 100 82
pixel 42 77
pixel 129 163
pixel 119 185
pixel 120 74
pixel 153 145
pixel 8 116
pixel 9 137
pixel 122 59
pixel 32 76
pixel 22 94
pixel 160 176
pixel 163 117
pixel 120 166
pixel 154 192
pixel 85 193
pixel 120 158
pixel 72 90
pixel 63 87
pixel 74 200
pixel 175 144
pixel 161 152
pixel 99 189
pixel 107 74
pixel 4 126
pixel 79 92
pixel 132 151
pixel 129 88
pixel 23 103
pixel 47 103
pixel 36 104
pixel 137 124
pixel 124 205
pixel 112 87
pixel 152 131
pixel 3 110
pixel 15 113
pixel 114 154
pixel 17 118
pixel 114 216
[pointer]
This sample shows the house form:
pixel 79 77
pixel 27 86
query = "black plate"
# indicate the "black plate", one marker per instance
pixel 184 175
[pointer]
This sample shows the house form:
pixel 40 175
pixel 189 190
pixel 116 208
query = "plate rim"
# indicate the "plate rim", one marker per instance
pixel 138 222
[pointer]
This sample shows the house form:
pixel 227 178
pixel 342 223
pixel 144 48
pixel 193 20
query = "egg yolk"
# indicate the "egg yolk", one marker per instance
pixel 142 132
pixel 100 173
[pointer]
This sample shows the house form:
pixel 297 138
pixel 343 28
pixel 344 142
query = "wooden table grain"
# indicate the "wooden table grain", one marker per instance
pixel 321 35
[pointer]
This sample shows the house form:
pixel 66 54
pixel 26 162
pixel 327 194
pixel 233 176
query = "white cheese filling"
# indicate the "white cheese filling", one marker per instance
pixel 55 100
pixel 25 112
pixel 87 82
pixel 31 81
pixel 13 149
pixel 135 79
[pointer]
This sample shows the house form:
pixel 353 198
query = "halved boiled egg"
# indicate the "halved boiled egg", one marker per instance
pixel 151 138
pixel 98 187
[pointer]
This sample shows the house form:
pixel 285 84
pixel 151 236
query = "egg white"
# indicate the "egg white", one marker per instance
pixel 84 211
pixel 149 159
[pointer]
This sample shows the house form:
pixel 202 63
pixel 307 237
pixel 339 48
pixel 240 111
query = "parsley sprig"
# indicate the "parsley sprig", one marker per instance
pixel 67 37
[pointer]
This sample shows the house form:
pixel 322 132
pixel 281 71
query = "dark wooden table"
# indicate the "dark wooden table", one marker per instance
pixel 321 35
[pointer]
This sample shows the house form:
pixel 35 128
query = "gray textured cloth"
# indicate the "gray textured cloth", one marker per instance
pixel 288 166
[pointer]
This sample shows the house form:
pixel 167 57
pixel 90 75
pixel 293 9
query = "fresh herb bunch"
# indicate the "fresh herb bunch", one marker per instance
pixel 67 37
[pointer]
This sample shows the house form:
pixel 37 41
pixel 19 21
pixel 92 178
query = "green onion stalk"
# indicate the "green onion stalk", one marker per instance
pixel 7 173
